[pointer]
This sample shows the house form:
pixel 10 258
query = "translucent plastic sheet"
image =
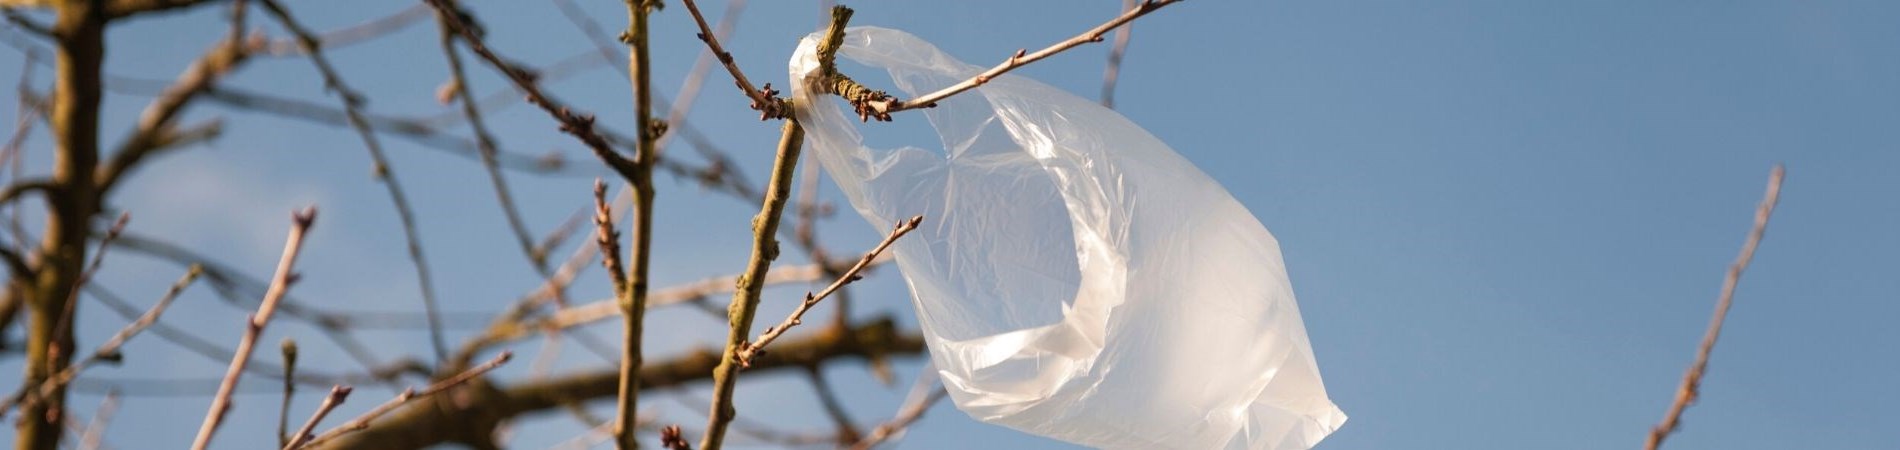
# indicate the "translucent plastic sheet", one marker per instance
pixel 1075 278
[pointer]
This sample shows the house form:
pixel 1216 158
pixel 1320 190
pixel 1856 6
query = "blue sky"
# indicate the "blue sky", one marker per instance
pixel 1506 222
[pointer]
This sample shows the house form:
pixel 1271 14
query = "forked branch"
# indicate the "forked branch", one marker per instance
pixel 579 125
pixel 363 421
pixel 881 108
pixel 764 100
pixel 280 284
pixel 757 347
pixel 337 394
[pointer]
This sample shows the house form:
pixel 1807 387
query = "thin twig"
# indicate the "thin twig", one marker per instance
pixel 352 107
pixel 421 426
pixel 579 125
pixel 758 432
pixel 537 257
pixel 764 100
pixel 485 142
pixel 156 129
pixel 26 111
pixel 509 324
pixel 108 350
pixel 687 292
pixel 280 284
pixel 695 78
pixel 905 417
pixel 805 234
pixel 721 174
pixel 95 434
pixel 757 346
pixel 27 24
pixel 558 237
pixel 828 398
pixel 233 286
pixel 211 351
pixel 608 239
pixel 891 105
pixel 1692 381
pixel 346 36
pixel 1114 67
pixel 363 421
pixel 70 312
pixel 289 349
pixel 509 96
pixel 338 393
pixel 602 42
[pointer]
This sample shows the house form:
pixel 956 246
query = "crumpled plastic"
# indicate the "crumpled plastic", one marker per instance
pixel 1074 278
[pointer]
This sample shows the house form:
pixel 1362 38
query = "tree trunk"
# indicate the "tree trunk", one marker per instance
pixel 72 203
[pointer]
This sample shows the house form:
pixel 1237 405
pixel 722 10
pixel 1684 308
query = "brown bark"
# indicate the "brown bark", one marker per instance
pixel 72 202
pixel 470 415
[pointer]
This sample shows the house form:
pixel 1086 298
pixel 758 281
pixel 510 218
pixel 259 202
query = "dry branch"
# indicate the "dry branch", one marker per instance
pixel 579 125
pixel 603 309
pixel 363 421
pixel 633 298
pixel 881 108
pixel 489 150
pixel 473 419
pixel 352 108
pixel 1114 67
pixel 764 100
pixel 338 393
pixel 280 283
pixel 288 348
pixel 745 299
pixel 757 347
pixel 905 417
pixel 155 130
pixel 108 350
pixel 346 36
pixel 1692 380
pixel 94 436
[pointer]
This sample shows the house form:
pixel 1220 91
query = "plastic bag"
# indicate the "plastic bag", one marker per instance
pixel 1075 278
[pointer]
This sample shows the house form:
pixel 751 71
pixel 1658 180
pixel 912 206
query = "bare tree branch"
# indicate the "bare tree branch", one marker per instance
pixel 905 417
pixel 764 100
pixel 1114 67
pixel 94 436
pixel 881 108
pixel 280 283
pixel 156 122
pixel 344 37
pixel 1692 381
pixel 633 299
pixel 483 407
pixel 288 348
pixel 579 125
pixel 363 421
pixel 107 351
pixel 756 347
pixel 352 105
pixel 745 299
pixel 458 80
pixel 337 395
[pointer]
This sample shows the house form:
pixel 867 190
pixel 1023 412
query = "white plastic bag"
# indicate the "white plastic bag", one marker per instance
pixel 1075 278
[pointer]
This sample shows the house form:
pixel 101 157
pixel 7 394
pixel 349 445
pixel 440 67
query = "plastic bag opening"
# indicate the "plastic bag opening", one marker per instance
pixel 1077 278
